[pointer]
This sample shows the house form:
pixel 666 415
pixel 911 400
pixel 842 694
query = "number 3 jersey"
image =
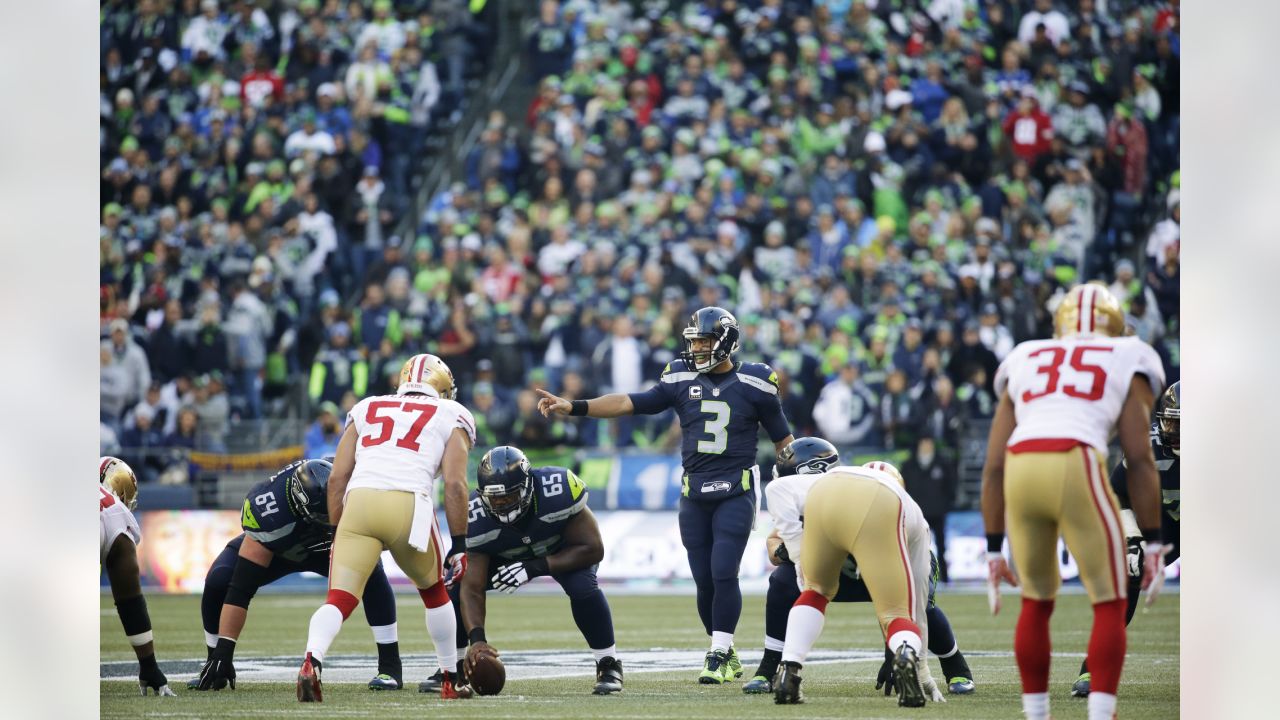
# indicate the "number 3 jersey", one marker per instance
pixel 402 439
pixel 267 517
pixel 720 416
pixel 558 495
pixel 1073 388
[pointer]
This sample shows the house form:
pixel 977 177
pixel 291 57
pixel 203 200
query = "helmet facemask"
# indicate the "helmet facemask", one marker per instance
pixel 507 505
pixel 711 354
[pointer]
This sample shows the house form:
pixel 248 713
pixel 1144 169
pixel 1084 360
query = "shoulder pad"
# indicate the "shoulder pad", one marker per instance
pixel 759 376
pixel 675 366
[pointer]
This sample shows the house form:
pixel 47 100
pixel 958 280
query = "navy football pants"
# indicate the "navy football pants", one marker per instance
pixel 715 535
pixel 586 601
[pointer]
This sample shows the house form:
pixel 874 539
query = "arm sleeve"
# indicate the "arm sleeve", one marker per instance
pixel 651 401
pixel 1120 484
pixel 773 419
pixel 785 509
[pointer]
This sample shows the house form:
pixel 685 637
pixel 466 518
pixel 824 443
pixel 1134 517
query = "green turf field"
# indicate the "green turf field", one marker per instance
pixel 646 626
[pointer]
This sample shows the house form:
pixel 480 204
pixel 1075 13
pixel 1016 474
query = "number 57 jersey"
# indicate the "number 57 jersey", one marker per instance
pixel 1071 390
pixel 401 439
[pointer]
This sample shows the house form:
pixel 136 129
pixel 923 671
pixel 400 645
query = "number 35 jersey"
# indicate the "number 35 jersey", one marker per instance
pixel 401 440
pixel 1073 388
pixel 558 495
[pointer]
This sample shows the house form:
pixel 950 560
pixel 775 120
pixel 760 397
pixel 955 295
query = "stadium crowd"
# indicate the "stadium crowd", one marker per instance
pixel 889 195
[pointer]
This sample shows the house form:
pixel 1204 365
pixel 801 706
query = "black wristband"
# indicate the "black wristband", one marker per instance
pixel 537 567
pixel 1151 536
pixel 579 407
pixel 995 542
pixel 226 647
pixel 476 635
pixel 457 544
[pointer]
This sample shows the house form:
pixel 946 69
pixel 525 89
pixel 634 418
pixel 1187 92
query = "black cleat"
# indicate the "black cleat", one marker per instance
pixel 608 677
pixel 433 683
pixel 309 689
pixel 905 678
pixel 787 685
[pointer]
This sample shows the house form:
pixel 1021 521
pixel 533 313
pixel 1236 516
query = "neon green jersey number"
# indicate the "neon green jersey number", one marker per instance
pixel 718 427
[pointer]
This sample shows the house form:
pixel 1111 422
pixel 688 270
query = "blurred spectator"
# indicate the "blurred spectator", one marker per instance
pixel 942 419
pixel 214 410
pixel 846 409
pixel 898 412
pixel 206 350
pixel 931 481
pixel 971 354
pixel 131 359
pixel 184 436
pixel 322 437
pixel 113 383
pixel 1029 129
pixel 338 368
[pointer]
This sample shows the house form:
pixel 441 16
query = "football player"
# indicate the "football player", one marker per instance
pixel 1164 445
pixel 811 456
pixel 721 405
pixel 526 522
pixel 118 538
pixel 286 531
pixel 887 532
pixel 1045 475
pixel 381 496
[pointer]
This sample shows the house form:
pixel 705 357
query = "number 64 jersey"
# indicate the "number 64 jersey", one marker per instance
pixel 401 440
pixel 1073 388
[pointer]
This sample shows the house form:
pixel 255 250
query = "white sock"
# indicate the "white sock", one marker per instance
pixel 1036 706
pixel 804 625
pixel 1102 706
pixel 383 634
pixel 721 641
pixel 611 651
pixel 325 624
pixel 211 639
pixel 443 629
pixel 895 640
pixel 772 643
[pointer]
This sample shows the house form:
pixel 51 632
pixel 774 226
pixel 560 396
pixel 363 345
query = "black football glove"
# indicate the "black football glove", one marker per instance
pixel 885 677
pixel 782 554
pixel 151 677
pixel 219 672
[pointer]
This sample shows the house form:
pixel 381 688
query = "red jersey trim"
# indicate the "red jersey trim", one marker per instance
pixel 1045 445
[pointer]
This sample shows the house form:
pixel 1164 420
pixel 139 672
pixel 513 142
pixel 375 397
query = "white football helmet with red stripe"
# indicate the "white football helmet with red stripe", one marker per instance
pixel 427 374
pixel 115 475
pixel 887 469
pixel 1089 309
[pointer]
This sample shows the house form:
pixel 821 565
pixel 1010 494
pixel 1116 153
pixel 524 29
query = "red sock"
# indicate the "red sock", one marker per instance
pixel 813 599
pixel 343 600
pixel 1031 645
pixel 434 596
pixel 1107 646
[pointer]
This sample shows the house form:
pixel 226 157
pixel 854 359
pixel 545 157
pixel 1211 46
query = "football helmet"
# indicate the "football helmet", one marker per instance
pixel 805 456
pixel 307 487
pixel 717 325
pixel 886 468
pixel 505 481
pixel 1168 413
pixel 115 475
pixel 427 374
pixel 1089 309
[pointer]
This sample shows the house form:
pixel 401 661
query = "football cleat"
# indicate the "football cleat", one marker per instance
pixel 906 679
pixel 1080 688
pixel 788 685
pixel 194 683
pixel 608 677
pixel 960 685
pixel 383 681
pixel 758 685
pixel 714 667
pixel 309 689
pixel 733 666
pixel 432 684
pixel 449 692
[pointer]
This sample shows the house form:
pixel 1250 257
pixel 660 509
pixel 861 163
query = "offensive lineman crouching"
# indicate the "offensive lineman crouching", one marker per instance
pixel 530 522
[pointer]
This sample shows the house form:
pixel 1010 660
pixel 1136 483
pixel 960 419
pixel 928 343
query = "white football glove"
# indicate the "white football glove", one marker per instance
pixel 1154 566
pixel 510 577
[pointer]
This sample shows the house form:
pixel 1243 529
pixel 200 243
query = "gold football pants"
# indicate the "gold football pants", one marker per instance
pixel 374 520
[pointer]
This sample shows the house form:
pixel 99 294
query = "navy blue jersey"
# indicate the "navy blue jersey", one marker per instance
pixel 266 517
pixel 558 495
pixel 1170 488
pixel 720 415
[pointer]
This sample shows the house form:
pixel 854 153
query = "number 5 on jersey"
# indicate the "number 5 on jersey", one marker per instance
pixel 374 416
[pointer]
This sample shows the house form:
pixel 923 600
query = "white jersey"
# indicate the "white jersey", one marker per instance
pixel 114 520
pixel 401 440
pixel 1072 389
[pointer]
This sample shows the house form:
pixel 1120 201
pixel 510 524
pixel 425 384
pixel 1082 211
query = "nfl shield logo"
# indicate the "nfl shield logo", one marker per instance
pixel 695 392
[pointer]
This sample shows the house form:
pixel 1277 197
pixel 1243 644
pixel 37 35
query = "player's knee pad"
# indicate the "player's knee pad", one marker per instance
pixel 247 577
pixel 343 600
pixel 579 584
pixel 435 596
pixel 136 621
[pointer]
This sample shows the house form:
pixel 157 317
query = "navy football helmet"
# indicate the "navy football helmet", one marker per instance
pixel 1168 415
pixel 505 479
pixel 805 456
pixel 717 325
pixel 307 487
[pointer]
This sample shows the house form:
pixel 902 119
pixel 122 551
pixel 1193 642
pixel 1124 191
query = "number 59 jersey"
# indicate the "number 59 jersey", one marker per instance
pixel 401 440
pixel 1073 388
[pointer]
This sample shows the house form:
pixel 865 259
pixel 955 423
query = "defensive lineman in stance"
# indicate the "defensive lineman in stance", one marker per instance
pixel 721 405
pixel 527 522
pixel 286 531
pixel 812 456
pixel 118 538
pixel 1165 446
pixel 381 497
pixel 1045 474
pixel 862 512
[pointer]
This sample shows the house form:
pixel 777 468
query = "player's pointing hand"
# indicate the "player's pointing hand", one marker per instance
pixel 549 404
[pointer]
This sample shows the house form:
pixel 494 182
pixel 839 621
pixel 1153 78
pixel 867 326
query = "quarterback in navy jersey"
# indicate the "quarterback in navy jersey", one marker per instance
pixel 1165 445
pixel 525 522
pixel 721 405
pixel 286 531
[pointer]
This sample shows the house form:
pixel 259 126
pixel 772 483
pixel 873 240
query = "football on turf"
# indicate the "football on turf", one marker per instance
pixel 487 676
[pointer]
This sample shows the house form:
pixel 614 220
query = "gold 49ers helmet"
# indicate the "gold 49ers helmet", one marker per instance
pixel 887 469
pixel 427 374
pixel 1089 309
pixel 115 475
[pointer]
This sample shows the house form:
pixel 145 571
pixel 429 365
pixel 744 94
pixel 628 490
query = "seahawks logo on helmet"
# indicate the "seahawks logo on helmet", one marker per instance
pixel 805 456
